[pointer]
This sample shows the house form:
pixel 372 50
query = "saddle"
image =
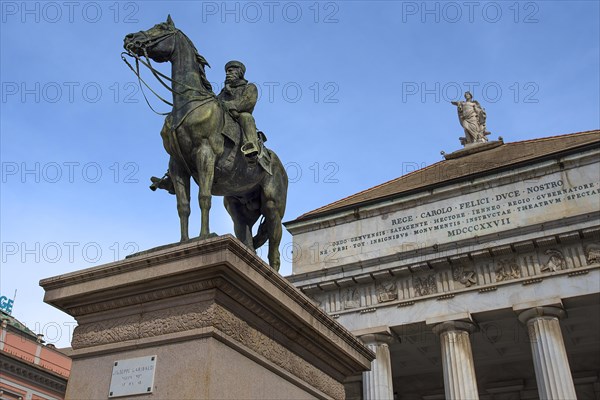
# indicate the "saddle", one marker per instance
pixel 232 130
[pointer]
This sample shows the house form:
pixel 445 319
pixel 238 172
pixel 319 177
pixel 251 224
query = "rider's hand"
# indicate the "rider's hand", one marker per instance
pixel 234 113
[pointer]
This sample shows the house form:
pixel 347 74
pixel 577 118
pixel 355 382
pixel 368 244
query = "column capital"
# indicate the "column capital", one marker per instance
pixel 376 338
pixel 375 335
pixel 525 316
pixel 447 326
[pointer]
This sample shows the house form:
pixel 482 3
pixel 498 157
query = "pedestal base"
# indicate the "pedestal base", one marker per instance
pixel 221 323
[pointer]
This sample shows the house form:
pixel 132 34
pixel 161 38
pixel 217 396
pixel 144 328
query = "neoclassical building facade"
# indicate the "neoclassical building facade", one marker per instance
pixel 476 277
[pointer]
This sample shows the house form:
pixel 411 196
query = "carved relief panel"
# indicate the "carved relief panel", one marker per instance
pixel 351 298
pixel 555 261
pixel 507 269
pixel 386 291
pixel 425 285
pixel 592 253
pixel 464 275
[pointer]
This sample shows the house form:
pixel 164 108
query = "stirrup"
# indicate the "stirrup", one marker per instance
pixel 249 149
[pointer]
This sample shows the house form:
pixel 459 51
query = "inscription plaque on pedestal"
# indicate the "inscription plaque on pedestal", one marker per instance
pixel 132 376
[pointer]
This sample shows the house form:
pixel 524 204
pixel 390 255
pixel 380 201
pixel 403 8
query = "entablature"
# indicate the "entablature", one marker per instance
pixel 485 270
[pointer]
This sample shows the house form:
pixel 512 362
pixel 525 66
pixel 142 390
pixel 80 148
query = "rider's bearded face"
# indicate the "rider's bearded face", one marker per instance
pixel 233 74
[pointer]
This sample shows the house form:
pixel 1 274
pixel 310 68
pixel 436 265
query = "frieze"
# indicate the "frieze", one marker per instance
pixel 351 298
pixel 555 261
pixel 463 275
pixel 592 253
pixel 134 327
pixel 464 272
pixel 507 269
pixel 425 285
pixel 386 291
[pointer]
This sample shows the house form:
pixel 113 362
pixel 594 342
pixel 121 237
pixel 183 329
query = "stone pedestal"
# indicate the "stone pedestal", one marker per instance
pixel 377 383
pixel 552 371
pixel 219 322
pixel 457 359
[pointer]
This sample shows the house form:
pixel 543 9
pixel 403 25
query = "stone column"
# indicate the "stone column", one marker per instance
pixel 377 383
pixel 552 371
pixel 457 359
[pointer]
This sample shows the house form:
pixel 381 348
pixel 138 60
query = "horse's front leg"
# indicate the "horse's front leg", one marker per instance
pixel 181 183
pixel 205 161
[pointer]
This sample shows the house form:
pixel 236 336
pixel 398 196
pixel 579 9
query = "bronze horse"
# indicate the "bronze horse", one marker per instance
pixel 197 137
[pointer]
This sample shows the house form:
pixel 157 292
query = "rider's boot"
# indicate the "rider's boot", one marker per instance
pixel 250 149
pixel 165 183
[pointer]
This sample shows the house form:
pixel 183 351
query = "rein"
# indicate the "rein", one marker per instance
pixel 158 75
pixel 136 71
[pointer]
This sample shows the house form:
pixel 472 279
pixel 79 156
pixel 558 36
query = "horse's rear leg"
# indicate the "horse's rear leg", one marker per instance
pixel 243 219
pixel 273 208
pixel 270 210
pixel 205 161
pixel 181 183
pixel 273 199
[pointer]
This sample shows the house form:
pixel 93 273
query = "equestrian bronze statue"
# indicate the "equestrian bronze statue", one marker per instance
pixel 204 139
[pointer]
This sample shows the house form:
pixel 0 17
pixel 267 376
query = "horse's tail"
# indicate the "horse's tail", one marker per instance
pixel 262 235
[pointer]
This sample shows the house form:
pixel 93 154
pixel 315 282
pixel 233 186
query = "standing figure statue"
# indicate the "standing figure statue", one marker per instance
pixel 472 118
pixel 239 98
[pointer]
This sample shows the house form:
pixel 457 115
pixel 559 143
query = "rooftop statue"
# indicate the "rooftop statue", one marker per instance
pixel 213 139
pixel 472 118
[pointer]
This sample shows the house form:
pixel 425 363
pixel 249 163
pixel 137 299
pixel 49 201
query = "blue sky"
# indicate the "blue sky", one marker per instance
pixel 353 93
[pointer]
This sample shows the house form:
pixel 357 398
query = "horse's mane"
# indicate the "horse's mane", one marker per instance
pixel 201 64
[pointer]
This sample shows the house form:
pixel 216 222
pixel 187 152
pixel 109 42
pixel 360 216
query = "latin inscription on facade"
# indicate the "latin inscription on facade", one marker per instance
pixel 569 193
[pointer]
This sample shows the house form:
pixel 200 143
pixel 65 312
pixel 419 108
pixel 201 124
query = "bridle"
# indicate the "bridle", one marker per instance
pixel 144 45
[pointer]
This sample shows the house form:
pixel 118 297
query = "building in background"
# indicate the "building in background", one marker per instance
pixel 29 369
pixel 475 277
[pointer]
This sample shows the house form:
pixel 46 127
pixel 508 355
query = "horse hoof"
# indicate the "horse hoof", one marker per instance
pixel 208 236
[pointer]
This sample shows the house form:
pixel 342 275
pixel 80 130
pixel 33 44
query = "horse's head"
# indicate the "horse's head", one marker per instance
pixel 157 42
